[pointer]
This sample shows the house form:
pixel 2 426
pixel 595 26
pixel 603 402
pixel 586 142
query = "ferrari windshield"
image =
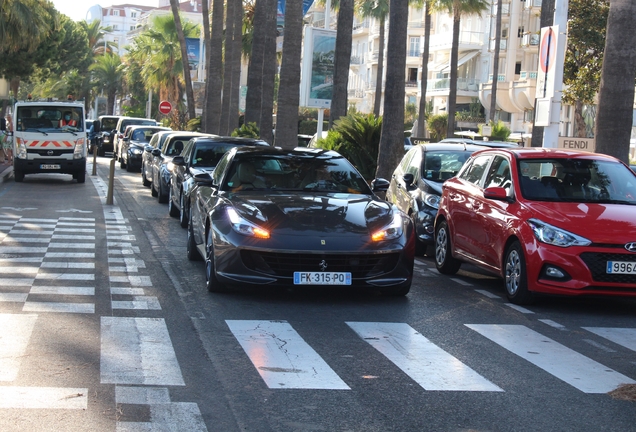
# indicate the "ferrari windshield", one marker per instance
pixel 295 173
pixel 577 180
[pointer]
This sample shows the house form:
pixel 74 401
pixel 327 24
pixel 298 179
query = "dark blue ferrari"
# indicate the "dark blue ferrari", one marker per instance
pixel 303 217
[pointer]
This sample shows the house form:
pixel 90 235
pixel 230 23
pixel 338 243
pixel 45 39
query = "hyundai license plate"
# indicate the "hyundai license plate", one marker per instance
pixel 322 278
pixel 621 267
pixel 49 166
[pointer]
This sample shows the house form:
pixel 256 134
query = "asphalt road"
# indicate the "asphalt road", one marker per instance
pixel 105 325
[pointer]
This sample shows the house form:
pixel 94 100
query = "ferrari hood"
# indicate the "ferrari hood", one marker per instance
pixel 334 213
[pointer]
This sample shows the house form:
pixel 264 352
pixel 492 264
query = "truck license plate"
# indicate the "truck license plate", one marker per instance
pixel 322 278
pixel 49 166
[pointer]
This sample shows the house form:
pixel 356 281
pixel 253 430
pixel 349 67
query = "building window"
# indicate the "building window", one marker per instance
pixel 518 68
pixel 412 75
pixel 115 27
pixel 132 27
pixel 133 14
pixel 414 47
pixel 116 12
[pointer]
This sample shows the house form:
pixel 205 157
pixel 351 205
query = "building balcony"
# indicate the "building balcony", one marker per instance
pixel 530 40
pixel 512 96
pixel 356 93
pixel 357 60
pixel 534 5
pixel 467 41
pixel 503 46
pixel 466 85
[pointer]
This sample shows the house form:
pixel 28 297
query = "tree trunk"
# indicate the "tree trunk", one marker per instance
pixel 495 65
pixel 184 60
pixel 452 94
pixel 227 67
pixel 377 101
pixel 342 62
pixel 547 19
pixel 237 42
pixel 580 130
pixel 421 119
pixel 270 67
pixel 255 71
pixel 214 79
pixel 616 95
pixel 391 147
pixel 289 91
pixel 205 12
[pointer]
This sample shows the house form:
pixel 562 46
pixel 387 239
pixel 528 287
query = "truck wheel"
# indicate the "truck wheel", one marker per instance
pixel 81 177
pixel 18 175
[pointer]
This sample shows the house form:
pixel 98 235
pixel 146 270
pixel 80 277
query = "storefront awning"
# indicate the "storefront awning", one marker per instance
pixel 463 58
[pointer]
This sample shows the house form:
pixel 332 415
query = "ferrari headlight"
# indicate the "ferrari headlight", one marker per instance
pixel 245 227
pixel 552 235
pixel 391 231
pixel 432 200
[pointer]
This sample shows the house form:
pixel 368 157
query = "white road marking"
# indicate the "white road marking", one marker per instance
pixel 63 290
pixel 67 265
pixel 558 360
pixel 65 276
pixel 133 280
pixel 45 221
pixel 141 395
pixel 138 351
pixel 461 282
pixel 10 238
pixel 20 249
pixel 138 303
pixel 69 255
pixel 87 308
pixel 43 398
pixel 282 358
pixel 72 245
pixel 75 224
pixel 176 416
pixel 554 324
pixel 427 364
pixel 30 232
pixel 15 332
pixel 126 291
pixel 72 237
pixel 75 230
pixel 9 282
pixel 4 261
pixel 487 294
pixel 20 270
pixel 519 308
pixel 622 336
pixel 13 297
pixel 78 219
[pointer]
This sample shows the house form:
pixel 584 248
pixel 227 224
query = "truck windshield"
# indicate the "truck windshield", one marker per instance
pixel 49 119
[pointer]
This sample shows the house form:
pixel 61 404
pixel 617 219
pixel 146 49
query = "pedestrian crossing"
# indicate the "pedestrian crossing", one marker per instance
pixel 284 360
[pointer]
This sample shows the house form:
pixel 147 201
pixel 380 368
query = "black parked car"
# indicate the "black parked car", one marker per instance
pixel 199 155
pixel 132 145
pixel 106 137
pixel 303 217
pixel 160 163
pixel 416 184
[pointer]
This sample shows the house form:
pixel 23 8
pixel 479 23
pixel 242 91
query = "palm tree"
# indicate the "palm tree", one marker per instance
pixel 270 67
pixel 157 49
pixel 108 73
pixel 237 55
pixel 421 119
pixel 289 91
pixel 495 63
pixel 616 96
pixel 255 72
pixel 378 10
pixel 227 66
pixel 174 5
pixel 96 35
pixel 458 8
pixel 214 78
pixel 25 23
pixel 342 61
pixel 547 19
pixel 392 138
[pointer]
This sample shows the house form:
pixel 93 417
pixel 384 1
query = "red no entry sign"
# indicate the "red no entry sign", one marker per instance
pixel 165 107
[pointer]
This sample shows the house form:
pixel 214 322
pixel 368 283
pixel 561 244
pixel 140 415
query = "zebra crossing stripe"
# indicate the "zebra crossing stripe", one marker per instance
pixel 138 351
pixel 427 364
pixel 282 358
pixel 621 336
pixel 43 398
pixel 565 364
pixel 15 332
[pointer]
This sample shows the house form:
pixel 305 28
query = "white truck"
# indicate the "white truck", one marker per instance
pixel 49 137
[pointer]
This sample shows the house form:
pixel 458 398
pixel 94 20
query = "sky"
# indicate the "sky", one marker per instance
pixel 76 10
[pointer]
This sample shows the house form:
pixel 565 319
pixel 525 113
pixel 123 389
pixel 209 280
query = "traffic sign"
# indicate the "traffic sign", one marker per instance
pixel 165 107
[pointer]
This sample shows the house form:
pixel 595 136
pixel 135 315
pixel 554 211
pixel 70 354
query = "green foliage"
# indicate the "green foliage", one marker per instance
pixel 194 125
pixel 436 125
pixel 134 111
pixel 357 138
pixel 249 130
pixel 587 21
pixel 410 113
pixel 499 131
pixel 309 127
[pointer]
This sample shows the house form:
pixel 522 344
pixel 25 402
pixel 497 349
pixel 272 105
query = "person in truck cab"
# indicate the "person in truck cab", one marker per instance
pixel 67 120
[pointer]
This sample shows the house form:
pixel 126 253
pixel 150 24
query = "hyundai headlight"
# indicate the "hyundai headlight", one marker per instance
pixel 391 231
pixel 245 227
pixel 552 235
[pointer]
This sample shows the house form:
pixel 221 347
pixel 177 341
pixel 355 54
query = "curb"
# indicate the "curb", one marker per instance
pixel 6 174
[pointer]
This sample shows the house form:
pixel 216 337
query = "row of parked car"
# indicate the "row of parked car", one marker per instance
pixel 545 221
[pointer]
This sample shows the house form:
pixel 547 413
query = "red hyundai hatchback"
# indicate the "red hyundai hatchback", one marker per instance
pixel 545 220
